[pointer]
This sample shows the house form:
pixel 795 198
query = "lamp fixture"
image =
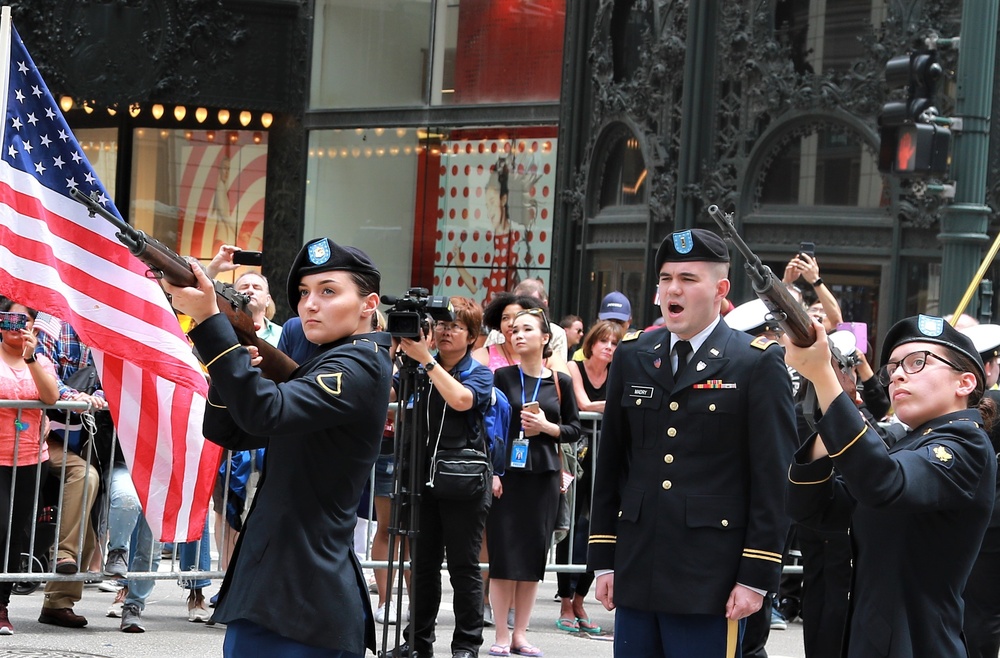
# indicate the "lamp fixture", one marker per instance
pixel 245 118
pixel 134 109
pixel 66 103
pixel 266 119
pixel 201 114
pixel 180 112
pixel 157 111
pixel 223 116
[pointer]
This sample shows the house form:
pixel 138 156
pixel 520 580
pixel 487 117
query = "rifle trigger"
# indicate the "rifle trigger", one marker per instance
pixel 154 274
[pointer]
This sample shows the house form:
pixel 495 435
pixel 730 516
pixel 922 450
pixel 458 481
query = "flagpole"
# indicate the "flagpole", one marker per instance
pixel 5 32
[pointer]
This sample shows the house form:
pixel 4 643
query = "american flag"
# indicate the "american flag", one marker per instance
pixel 56 258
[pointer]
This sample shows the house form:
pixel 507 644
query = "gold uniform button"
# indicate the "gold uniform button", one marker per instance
pixel 674 406
pixel 619 513
pixel 667 484
pixel 668 459
pixel 638 402
pixel 672 432
pixel 725 523
pixel 711 407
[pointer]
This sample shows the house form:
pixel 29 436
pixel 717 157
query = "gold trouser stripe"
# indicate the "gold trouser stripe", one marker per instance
pixel 234 347
pixel 603 536
pixel 594 540
pixel 853 441
pixel 732 637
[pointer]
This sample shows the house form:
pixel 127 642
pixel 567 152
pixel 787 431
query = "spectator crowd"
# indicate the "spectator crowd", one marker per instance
pixel 726 451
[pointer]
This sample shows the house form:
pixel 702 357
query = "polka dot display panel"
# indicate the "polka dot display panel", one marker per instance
pixel 495 205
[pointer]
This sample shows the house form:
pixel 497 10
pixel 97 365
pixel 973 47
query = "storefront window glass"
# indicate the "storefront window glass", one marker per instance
pixel 460 212
pixel 100 145
pixel 824 168
pixel 370 54
pixel 381 53
pixel 194 190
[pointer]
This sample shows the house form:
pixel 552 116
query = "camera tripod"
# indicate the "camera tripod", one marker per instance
pixel 407 484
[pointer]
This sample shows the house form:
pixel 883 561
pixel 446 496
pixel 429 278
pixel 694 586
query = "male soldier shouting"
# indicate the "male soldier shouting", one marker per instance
pixel 688 521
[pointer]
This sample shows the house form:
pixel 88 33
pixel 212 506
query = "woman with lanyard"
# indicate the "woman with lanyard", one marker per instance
pixel 523 516
pixel 460 391
pixel 917 510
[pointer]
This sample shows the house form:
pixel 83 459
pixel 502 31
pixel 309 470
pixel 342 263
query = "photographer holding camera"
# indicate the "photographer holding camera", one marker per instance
pixel 460 391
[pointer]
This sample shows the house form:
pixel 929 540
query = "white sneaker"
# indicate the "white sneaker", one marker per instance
pixel 111 586
pixel 383 617
pixel 116 609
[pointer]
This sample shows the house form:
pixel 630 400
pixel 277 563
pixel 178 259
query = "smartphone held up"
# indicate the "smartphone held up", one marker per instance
pixel 10 321
pixel 243 257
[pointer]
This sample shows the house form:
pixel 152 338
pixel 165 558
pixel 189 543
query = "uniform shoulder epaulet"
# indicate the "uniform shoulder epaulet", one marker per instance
pixel 365 340
pixel 632 335
pixel 762 342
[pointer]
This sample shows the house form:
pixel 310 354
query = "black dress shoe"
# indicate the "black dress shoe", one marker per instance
pixel 64 617
pixel 463 653
pixel 404 651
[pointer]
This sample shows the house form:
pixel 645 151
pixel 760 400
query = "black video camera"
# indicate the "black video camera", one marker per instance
pixel 409 313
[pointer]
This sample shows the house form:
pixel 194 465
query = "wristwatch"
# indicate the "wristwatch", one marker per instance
pixel 29 359
pixel 430 365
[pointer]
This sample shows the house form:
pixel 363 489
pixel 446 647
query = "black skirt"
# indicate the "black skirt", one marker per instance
pixel 520 525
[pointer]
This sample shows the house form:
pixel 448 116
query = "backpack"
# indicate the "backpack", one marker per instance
pixel 496 419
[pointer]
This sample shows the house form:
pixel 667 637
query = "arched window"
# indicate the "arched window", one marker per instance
pixel 623 172
pixel 822 165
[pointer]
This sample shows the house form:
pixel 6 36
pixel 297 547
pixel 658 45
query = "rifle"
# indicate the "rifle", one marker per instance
pixel 164 263
pixel 782 306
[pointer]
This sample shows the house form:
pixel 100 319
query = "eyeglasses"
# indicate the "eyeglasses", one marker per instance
pixel 452 327
pixel 911 364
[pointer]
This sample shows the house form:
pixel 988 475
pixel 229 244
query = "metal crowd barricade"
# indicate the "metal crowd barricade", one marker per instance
pixel 591 424
pixel 38 559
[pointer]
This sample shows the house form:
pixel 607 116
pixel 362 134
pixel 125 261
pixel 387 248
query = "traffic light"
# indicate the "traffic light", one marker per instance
pixel 911 142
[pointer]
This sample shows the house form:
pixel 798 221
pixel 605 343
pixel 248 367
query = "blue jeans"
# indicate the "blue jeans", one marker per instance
pixel 195 555
pixel 145 557
pixel 125 510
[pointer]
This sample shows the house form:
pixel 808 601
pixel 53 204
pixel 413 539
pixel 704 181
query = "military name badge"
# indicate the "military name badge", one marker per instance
pixel 640 393
pixel 940 455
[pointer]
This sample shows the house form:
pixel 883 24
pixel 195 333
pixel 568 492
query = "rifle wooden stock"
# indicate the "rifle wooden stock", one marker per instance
pixel 785 309
pixel 166 264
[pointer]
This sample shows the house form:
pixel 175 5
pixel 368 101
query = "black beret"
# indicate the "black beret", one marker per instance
pixel 932 329
pixel 325 255
pixel 694 244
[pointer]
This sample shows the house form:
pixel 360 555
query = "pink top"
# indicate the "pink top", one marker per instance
pixel 497 358
pixel 17 384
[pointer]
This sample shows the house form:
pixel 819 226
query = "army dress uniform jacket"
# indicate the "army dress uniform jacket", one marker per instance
pixel 294 570
pixel 917 513
pixel 688 497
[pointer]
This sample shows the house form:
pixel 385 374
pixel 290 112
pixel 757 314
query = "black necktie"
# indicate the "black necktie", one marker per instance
pixel 683 349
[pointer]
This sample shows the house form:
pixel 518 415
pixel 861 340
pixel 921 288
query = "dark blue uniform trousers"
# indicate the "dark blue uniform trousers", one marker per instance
pixel 657 634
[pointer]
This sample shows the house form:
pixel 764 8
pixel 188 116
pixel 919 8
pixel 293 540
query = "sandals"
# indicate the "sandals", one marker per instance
pixel 568 624
pixel 585 625
pixel 527 650
pixel 500 650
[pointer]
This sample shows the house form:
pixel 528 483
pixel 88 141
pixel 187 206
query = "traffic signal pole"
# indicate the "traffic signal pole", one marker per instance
pixel 965 221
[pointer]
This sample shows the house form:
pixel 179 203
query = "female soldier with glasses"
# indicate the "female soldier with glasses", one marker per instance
pixel 917 510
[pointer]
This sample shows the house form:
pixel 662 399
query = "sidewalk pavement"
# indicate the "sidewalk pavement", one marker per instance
pixel 170 634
